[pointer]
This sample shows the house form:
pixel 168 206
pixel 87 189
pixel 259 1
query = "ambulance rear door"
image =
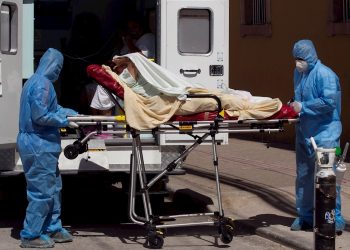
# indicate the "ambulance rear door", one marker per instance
pixel 194 44
pixel 10 79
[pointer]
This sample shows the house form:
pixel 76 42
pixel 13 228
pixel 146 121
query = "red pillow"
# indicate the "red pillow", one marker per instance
pixel 98 73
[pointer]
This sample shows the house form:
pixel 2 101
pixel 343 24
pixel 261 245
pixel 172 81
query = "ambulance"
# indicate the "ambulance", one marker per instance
pixel 191 40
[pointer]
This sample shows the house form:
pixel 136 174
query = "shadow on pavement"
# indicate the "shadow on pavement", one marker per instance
pixel 265 220
pixel 95 206
pixel 273 198
pixel 249 226
pixel 268 139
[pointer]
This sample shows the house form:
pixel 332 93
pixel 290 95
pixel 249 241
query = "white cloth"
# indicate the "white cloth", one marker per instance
pixel 155 80
pixel 163 80
pixel 245 95
pixel 101 100
pixel 146 43
pixel 140 86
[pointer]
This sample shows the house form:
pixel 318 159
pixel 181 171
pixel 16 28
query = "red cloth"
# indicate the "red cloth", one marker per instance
pixel 286 112
pixel 105 80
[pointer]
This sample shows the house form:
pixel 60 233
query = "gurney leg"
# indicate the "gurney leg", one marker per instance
pixel 216 163
pixel 143 181
pixel 226 230
pixel 135 166
pixel 154 236
pixel 132 189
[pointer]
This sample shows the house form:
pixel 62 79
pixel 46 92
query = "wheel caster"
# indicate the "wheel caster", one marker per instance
pixel 339 232
pixel 71 152
pixel 155 240
pixel 226 233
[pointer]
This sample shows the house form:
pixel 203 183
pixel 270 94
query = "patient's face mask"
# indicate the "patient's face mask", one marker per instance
pixel 301 65
pixel 127 78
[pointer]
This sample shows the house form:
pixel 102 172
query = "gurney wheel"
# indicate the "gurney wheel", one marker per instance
pixel 71 152
pixel 226 233
pixel 155 241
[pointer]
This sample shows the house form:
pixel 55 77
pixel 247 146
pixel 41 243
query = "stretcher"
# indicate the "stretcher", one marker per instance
pixel 200 130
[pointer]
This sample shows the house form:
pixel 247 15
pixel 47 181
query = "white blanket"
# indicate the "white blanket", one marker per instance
pixel 162 79
pixel 170 84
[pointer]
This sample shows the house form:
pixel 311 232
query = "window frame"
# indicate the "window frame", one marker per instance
pixel 210 11
pixel 336 28
pixel 254 29
pixel 13 28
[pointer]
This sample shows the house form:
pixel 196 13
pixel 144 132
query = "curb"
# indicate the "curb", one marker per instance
pixel 277 235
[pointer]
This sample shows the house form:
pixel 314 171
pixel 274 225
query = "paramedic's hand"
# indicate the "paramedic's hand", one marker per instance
pixel 296 106
pixel 73 125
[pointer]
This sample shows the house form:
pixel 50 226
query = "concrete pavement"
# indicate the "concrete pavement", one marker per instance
pixel 257 185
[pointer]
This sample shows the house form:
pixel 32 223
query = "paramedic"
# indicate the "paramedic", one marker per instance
pixel 137 38
pixel 317 100
pixel 38 144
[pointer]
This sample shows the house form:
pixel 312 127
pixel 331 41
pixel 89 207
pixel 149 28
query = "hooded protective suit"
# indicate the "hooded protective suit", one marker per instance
pixel 39 146
pixel 318 91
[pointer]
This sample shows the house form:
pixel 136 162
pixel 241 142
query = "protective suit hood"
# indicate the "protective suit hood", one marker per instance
pixel 50 65
pixel 305 50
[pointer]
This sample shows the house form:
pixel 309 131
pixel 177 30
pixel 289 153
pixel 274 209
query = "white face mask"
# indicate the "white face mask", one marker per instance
pixel 127 78
pixel 301 65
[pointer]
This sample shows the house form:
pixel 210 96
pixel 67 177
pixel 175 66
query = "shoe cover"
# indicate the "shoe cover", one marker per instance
pixel 61 236
pixel 43 241
pixel 300 224
pixel 339 225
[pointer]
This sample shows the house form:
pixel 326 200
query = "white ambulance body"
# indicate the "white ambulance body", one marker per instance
pixel 192 40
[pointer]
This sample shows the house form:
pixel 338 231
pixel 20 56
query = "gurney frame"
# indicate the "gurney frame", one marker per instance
pixel 200 131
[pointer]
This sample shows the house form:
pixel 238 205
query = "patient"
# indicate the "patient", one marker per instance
pixel 153 94
pixel 129 74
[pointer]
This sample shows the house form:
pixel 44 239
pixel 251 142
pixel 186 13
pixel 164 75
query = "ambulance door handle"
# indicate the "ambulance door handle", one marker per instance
pixel 190 72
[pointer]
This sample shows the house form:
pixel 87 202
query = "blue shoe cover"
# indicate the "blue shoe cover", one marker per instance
pixel 299 224
pixel 296 225
pixel 43 241
pixel 339 226
pixel 61 236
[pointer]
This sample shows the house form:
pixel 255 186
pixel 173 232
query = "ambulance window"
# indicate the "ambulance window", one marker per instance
pixel 8 28
pixel 194 31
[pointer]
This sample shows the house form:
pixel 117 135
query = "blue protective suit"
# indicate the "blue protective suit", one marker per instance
pixel 318 90
pixel 39 146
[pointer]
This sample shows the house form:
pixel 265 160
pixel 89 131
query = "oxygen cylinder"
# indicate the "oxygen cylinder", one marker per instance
pixel 325 202
pixel 324 199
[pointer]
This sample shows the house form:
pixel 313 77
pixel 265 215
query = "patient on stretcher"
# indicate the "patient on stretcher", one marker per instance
pixel 152 94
